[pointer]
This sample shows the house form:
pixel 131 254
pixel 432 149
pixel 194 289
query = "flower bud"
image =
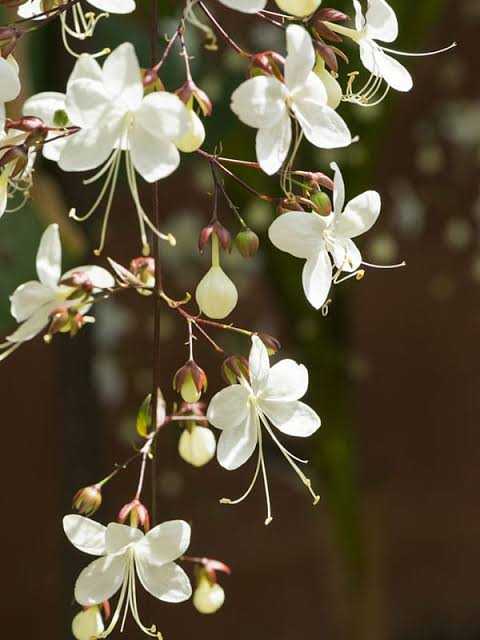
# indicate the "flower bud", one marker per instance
pixel 330 15
pixel 196 445
pixel 247 242
pixel 88 500
pixel 322 203
pixel 234 368
pixel 26 124
pixel 151 81
pixel 216 295
pixel 299 8
pixel 272 344
pixel 144 415
pixel 143 268
pixel 217 229
pixel 189 381
pixel 194 137
pixel 88 624
pixel 138 514
pixel 189 92
pixel 266 63
pixel 209 596
pixel 288 204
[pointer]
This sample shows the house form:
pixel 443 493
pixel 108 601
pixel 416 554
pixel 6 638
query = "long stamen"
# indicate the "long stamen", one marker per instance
pixel 108 208
pixel 121 599
pixel 152 631
pixel 358 275
pixel 250 487
pixel 269 518
pixel 421 54
pixel 132 182
pixel 385 266
pixel 110 165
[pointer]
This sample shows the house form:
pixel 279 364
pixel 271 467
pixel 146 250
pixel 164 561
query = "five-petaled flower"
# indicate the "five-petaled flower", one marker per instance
pixel 271 396
pixel 33 302
pixel 313 237
pixel 126 553
pixel 267 103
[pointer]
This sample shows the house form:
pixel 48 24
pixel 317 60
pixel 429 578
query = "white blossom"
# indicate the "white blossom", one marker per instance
pixel 315 238
pixel 33 302
pixel 298 8
pixel 271 396
pixel 268 104
pixel 125 553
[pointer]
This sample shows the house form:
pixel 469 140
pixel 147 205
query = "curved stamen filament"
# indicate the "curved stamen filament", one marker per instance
pixel 83 27
pixel 422 54
pixel 269 518
pixel 250 486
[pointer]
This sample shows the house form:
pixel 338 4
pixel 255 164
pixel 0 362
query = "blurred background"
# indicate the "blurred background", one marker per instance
pixel 391 552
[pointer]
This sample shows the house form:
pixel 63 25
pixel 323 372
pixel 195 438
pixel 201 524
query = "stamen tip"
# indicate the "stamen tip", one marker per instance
pixel 72 213
pixel 47 338
pixel 146 249
pixel 268 521
pixel 360 275
pixel 225 501
pixel 316 500
pixel 97 252
pixel 171 240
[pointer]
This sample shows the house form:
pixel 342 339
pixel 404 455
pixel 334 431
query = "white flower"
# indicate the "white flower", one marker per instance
pixel 272 395
pixel 88 624
pixel 266 103
pixel 197 445
pixel 208 596
pixel 113 115
pixel 313 237
pixel 299 8
pixel 9 81
pixel 33 302
pixel 33 8
pixel 125 554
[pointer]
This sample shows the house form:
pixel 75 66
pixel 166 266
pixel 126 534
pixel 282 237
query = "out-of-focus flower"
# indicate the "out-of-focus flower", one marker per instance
pixel 88 624
pixel 298 8
pixel 196 444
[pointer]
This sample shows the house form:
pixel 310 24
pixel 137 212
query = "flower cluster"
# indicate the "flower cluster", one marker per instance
pixel 121 112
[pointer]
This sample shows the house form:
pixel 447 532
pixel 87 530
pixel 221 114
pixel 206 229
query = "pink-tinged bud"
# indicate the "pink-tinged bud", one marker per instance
pixel 289 204
pixel 138 514
pixel 247 243
pixel 192 409
pixel 326 33
pixel 189 381
pixel 272 344
pixel 319 179
pixel 107 609
pixel 144 269
pixel 88 500
pixel 220 231
pixel 78 280
pixel 328 55
pixel 322 203
pixel 27 124
pixel 266 63
pixel 212 566
pixel 189 91
pixel 330 15
pixel 234 368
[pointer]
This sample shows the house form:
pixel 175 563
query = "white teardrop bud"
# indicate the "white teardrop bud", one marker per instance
pixel 88 624
pixel 331 84
pixel 194 137
pixel 299 8
pixel 208 598
pixel 197 446
pixel 216 294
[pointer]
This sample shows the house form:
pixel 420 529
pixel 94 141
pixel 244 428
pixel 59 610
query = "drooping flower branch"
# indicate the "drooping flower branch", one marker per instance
pixel 116 113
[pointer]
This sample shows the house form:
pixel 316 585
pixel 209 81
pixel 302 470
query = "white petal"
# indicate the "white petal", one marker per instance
pixel 359 17
pixel 122 77
pixel 258 364
pixel 260 102
pixel 85 534
pixel 298 233
pixel 169 582
pixel 118 536
pixel 338 190
pixel 359 216
pixel 322 126
pixel 164 115
pixel 53 150
pixel 98 276
pixel 246 6
pixel 86 102
pixel 3 191
pixel 88 624
pixel 272 145
pixel 300 57
pixel 293 418
pixel 49 257
pixel 312 90
pixel 346 255
pixel 165 543
pixel 236 445
pixel 198 446
pixel 383 65
pixel 299 8
pixel 228 407
pixel 382 23
pixel 44 105
pixel 100 580
pixel 317 279
pixel 35 323
pixel 30 9
pixel 86 68
pixel 114 6
pixel 9 82
pixel 28 298
pixel 154 158
pixel 287 381
pixel 89 148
